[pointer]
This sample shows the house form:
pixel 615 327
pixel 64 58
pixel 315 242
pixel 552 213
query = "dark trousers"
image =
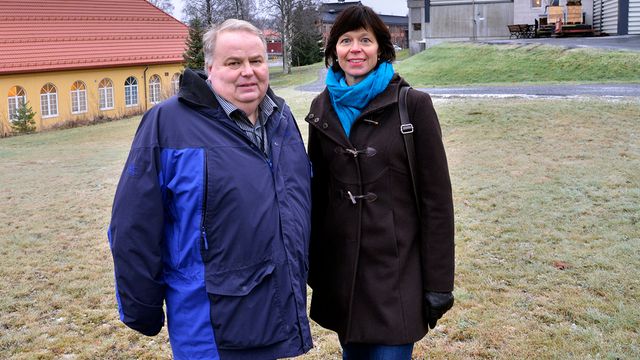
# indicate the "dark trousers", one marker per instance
pixel 376 352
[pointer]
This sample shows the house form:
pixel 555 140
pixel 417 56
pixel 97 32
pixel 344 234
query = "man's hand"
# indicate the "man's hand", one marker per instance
pixel 436 304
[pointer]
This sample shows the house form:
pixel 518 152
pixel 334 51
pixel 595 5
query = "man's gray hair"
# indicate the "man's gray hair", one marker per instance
pixel 211 36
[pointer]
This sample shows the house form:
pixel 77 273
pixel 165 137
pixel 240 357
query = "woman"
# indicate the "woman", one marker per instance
pixel 381 270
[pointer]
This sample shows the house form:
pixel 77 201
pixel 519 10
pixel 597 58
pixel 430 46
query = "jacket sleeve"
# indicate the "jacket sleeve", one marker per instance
pixel 434 187
pixel 319 183
pixel 136 235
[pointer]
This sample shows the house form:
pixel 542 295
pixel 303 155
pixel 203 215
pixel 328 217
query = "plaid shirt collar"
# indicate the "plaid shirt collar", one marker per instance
pixel 266 108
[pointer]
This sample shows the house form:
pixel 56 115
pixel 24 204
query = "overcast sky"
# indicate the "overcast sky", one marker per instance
pixel 386 7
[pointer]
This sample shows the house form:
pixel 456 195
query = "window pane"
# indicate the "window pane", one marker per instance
pixel 82 100
pixel 44 104
pixel 74 102
pixel 103 95
pixel 53 100
pixel 13 108
pixel 110 97
pixel 175 83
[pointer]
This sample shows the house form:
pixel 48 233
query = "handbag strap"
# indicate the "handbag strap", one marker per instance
pixel 406 129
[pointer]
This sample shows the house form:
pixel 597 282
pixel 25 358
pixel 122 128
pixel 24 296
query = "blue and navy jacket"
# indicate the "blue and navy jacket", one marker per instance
pixel 206 224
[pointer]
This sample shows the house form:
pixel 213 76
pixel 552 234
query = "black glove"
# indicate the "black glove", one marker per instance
pixel 435 305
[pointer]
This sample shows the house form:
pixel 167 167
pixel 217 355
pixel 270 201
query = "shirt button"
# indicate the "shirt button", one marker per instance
pixel 325 125
pixel 316 120
pixel 275 143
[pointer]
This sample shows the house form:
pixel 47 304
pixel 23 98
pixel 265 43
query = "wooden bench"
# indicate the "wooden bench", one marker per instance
pixel 521 31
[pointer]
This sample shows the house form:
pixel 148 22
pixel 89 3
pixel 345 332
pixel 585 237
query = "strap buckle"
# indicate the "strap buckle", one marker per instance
pixel 406 129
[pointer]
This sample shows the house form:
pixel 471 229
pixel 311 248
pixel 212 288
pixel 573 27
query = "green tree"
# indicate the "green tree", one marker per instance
pixel 24 122
pixel 194 55
pixel 306 45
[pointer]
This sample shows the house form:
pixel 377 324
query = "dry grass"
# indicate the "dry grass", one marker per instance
pixel 539 184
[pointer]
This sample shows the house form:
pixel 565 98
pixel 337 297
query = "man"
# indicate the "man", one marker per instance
pixel 211 215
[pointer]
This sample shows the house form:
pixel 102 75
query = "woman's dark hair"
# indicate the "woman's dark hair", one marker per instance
pixel 353 18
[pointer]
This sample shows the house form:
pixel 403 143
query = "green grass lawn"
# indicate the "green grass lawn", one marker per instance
pixel 465 64
pixel 299 75
pixel 539 185
pixel 474 64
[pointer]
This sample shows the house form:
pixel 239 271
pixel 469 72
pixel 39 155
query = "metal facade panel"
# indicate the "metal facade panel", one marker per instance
pixel 456 21
pixel 634 17
pixel 605 16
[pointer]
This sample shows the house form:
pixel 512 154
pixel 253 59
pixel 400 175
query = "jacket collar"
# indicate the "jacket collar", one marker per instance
pixel 388 97
pixel 326 120
pixel 195 91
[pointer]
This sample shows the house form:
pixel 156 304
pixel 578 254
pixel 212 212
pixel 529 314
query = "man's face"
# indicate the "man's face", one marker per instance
pixel 239 71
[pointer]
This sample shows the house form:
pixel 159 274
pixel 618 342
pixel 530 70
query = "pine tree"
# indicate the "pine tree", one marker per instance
pixel 306 49
pixel 306 45
pixel 24 122
pixel 194 55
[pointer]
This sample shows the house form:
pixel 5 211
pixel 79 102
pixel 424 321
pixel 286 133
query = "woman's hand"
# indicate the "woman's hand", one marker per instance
pixel 436 304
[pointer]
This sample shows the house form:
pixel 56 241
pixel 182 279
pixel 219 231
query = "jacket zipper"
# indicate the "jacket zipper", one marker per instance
pixel 203 230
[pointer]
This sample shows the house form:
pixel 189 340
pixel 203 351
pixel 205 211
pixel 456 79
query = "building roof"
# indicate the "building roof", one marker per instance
pixel 330 11
pixel 51 35
pixel 271 34
pixel 395 20
pixel 337 7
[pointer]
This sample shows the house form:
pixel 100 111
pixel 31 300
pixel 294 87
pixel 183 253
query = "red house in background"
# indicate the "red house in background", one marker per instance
pixel 274 43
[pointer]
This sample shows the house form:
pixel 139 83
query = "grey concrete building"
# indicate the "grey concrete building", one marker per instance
pixel 617 17
pixel 434 21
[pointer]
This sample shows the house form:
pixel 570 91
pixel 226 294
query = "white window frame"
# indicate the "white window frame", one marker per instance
pixel 131 91
pixel 78 97
pixel 49 102
pixel 105 94
pixel 175 83
pixel 16 102
pixel 155 86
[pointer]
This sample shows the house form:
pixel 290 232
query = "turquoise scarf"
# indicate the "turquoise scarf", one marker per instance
pixel 348 101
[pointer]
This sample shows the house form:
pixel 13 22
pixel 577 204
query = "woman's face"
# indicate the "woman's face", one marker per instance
pixel 357 52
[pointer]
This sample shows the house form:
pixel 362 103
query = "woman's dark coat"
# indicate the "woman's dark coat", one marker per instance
pixel 371 257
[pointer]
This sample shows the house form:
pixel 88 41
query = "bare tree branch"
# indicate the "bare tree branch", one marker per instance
pixel 164 5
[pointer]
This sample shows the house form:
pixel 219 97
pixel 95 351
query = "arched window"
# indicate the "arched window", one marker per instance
pixel 16 97
pixel 131 91
pixel 175 83
pixel 49 100
pixel 105 92
pixel 154 89
pixel 78 97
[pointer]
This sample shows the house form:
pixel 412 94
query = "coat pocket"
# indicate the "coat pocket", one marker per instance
pixel 245 307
